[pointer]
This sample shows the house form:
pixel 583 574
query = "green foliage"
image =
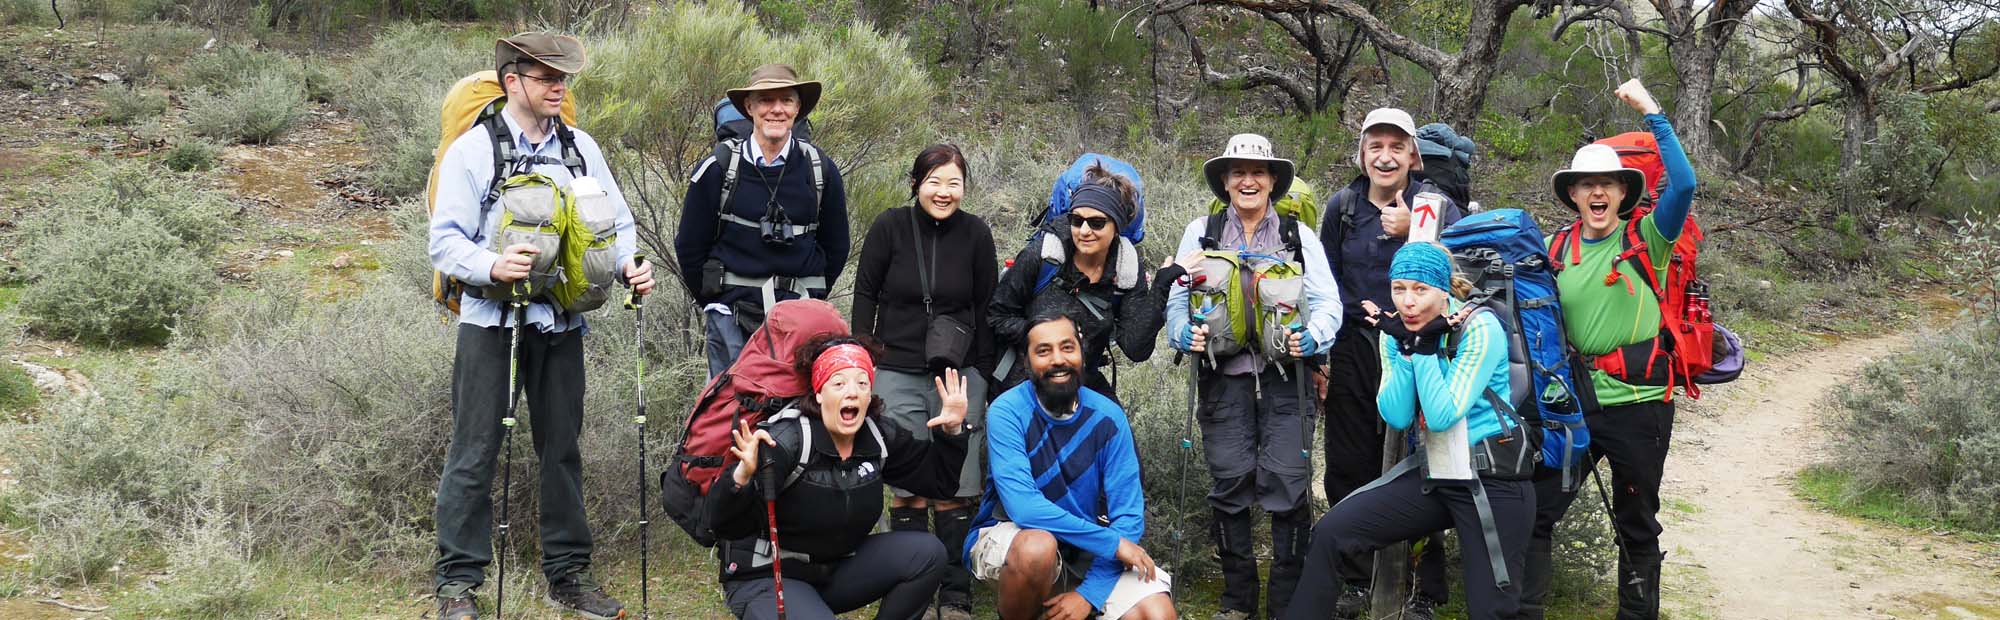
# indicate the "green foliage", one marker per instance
pixel 234 66
pixel 143 49
pixel 123 11
pixel 81 538
pixel 195 217
pixel 396 101
pixel 191 155
pixel 25 12
pixel 1092 49
pixel 123 106
pixel 211 574
pixel 1919 426
pixel 1974 250
pixel 17 389
pixel 636 94
pixel 259 112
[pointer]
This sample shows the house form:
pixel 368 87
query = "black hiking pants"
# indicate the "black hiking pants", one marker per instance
pixel 1410 507
pixel 551 376
pixel 901 569
pixel 1635 438
pixel 1354 449
pixel 1255 431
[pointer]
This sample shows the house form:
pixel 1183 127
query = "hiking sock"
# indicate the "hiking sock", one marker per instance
pixel 952 527
pixel 1540 564
pixel 1236 554
pixel 909 519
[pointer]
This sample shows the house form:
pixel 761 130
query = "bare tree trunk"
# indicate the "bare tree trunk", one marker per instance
pixel 1860 126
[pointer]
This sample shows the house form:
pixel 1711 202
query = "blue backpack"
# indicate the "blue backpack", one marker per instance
pixel 1052 218
pixel 1502 252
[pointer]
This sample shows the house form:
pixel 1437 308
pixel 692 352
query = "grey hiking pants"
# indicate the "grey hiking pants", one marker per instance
pixel 551 376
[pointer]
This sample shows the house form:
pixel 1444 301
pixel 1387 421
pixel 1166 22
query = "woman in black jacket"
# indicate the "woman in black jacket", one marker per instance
pixel 1086 265
pixel 926 272
pixel 828 458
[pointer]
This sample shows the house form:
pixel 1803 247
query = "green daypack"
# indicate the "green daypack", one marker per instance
pixel 1281 306
pixel 1299 203
pixel 576 262
pixel 1262 319
pixel 1214 300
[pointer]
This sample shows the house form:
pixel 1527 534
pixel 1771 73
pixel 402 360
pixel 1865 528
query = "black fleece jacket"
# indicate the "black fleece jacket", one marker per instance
pixel 742 250
pixel 889 296
pixel 1134 321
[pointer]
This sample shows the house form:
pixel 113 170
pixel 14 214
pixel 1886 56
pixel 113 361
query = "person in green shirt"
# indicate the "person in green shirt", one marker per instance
pixel 1608 309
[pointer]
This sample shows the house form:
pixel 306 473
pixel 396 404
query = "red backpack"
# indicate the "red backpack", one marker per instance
pixel 761 382
pixel 1687 328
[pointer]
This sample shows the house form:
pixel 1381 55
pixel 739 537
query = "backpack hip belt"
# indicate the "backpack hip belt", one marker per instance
pixel 770 285
pixel 1649 362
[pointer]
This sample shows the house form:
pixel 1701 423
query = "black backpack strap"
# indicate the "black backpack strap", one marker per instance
pixel 572 158
pixel 1343 206
pixel 1288 232
pixel 504 154
pixel 727 153
pixel 1211 238
pixel 818 165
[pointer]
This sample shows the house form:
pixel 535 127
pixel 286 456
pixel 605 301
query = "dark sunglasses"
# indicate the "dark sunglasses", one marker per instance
pixel 1095 223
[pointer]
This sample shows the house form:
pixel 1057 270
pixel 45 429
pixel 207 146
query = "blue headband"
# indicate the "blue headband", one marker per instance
pixel 1422 262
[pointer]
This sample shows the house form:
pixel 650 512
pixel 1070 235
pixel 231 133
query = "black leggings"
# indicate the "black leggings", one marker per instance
pixel 901 569
pixel 1404 509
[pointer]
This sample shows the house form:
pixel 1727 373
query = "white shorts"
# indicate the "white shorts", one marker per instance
pixel 989 555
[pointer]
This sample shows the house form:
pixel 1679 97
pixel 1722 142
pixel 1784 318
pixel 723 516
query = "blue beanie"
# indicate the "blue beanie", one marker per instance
pixel 1422 262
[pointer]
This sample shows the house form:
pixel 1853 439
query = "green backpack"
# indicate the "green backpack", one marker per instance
pixel 1262 319
pixel 576 237
pixel 1299 203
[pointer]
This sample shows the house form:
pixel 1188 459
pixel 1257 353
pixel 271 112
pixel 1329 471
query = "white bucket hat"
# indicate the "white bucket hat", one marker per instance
pixel 1391 117
pixel 1251 147
pixel 1598 159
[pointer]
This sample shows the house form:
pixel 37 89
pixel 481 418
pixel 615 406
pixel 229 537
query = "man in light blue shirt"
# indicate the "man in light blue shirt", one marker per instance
pixel 535 70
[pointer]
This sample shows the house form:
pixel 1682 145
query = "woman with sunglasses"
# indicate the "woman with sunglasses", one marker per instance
pixel 927 270
pixel 1085 264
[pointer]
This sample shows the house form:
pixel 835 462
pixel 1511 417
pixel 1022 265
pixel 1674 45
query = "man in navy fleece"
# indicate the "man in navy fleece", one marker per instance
pixel 1063 510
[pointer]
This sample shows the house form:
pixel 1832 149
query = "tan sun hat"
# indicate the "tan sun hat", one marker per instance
pixel 774 77
pixel 1252 147
pixel 560 52
pixel 1387 117
pixel 1598 159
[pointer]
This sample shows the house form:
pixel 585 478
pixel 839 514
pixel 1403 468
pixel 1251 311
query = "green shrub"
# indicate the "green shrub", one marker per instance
pixel 192 155
pixel 260 112
pixel 145 49
pixel 396 101
pixel 211 574
pixel 129 281
pixel 231 67
pixel 195 217
pixel 1920 425
pixel 81 538
pixel 17 389
pixel 24 12
pixel 122 105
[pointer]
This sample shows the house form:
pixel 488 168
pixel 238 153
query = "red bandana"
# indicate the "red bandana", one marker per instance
pixel 838 358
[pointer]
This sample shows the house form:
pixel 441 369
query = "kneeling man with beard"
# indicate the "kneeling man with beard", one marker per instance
pixel 1058 528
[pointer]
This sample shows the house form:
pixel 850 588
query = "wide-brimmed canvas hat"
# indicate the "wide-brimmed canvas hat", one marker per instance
pixel 1251 147
pixel 560 52
pixel 1596 159
pixel 773 77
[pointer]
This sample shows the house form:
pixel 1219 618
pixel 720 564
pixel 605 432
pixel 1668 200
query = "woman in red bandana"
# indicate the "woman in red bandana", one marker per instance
pixel 829 459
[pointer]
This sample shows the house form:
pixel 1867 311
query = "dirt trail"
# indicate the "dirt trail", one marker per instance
pixel 1743 546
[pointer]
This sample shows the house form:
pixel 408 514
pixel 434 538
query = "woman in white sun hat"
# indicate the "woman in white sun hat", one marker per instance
pixel 1255 426
pixel 1608 309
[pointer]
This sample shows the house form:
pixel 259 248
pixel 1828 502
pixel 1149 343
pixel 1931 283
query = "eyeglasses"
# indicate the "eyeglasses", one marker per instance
pixel 1095 223
pixel 558 80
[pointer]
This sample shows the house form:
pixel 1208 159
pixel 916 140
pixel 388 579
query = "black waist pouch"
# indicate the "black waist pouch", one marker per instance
pixel 946 342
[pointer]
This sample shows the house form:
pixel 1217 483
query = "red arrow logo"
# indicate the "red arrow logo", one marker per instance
pixel 1426 213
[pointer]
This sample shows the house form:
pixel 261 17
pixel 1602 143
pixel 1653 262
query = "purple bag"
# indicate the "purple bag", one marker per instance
pixel 1728 359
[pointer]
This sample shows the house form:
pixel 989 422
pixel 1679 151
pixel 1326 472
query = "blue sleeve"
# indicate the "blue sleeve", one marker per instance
pixel 1007 452
pixel 833 235
pixel 628 234
pixel 1125 504
pixel 1678 197
pixel 700 216
pixel 1177 296
pixel 455 222
pixel 1396 400
pixel 1322 293
pixel 1449 388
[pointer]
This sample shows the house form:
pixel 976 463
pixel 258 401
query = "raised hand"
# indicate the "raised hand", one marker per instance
pixel 951 390
pixel 1396 219
pixel 746 448
pixel 1634 94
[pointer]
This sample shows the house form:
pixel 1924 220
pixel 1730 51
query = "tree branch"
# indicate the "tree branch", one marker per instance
pixel 1252 78
pixel 1378 31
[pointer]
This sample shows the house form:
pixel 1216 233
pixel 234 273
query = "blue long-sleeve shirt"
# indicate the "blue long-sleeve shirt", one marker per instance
pixel 1449 390
pixel 460 244
pixel 1058 476
pixel 1678 197
pixel 1323 305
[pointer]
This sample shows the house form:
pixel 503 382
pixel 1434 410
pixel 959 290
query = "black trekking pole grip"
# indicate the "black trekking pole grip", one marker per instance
pixel 767 477
pixel 634 301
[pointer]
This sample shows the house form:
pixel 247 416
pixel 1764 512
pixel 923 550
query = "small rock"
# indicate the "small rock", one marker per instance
pixel 107 77
pixel 1763 285
pixel 343 261
pixel 284 253
pixel 209 45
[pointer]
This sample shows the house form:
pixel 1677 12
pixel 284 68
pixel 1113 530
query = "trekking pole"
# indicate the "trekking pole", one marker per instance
pixel 1187 449
pixel 637 303
pixel 769 480
pixel 520 306
pixel 1624 557
pixel 1305 421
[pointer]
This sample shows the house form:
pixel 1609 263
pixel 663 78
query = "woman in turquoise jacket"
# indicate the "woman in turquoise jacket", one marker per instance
pixel 1444 379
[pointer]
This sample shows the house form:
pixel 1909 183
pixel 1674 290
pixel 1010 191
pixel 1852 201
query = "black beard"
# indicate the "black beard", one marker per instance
pixel 1058 397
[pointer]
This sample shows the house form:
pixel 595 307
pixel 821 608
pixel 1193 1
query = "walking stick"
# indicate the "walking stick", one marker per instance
pixel 769 479
pixel 520 307
pixel 637 303
pixel 1624 557
pixel 1187 449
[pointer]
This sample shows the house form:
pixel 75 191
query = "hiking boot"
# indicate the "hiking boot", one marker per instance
pixel 950 611
pixel 1352 604
pixel 580 594
pixel 1420 609
pixel 455 602
pixel 1231 614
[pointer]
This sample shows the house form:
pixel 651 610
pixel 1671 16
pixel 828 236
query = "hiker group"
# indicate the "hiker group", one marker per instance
pixel 1471 370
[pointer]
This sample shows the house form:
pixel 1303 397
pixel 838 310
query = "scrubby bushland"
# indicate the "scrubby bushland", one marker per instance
pixel 120 258
pixel 124 106
pixel 191 155
pixel 258 112
pixel 397 101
